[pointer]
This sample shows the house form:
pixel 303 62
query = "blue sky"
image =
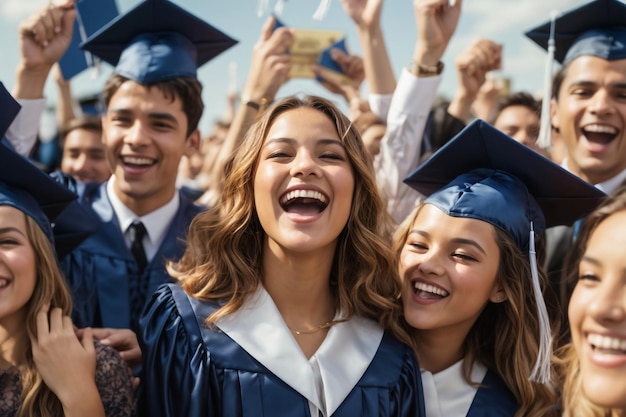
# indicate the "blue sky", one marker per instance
pixel 503 21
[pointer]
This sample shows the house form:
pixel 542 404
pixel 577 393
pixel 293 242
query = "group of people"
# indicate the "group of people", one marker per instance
pixel 401 260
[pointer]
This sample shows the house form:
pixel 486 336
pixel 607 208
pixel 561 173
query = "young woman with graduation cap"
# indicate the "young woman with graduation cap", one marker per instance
pixel 595 383
pixel 45 369
pixel 472 290
pixel 289 303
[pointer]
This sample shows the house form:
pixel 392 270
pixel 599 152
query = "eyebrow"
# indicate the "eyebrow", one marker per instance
pixel 4 230
pixel 153 115
pixel 458 240
pixel 584 83
pixel 293 141
pixel 589 259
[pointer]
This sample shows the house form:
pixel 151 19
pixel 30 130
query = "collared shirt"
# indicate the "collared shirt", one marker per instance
pixel 156 222
pixel 400 147
pixel 608 186
pixel 446 393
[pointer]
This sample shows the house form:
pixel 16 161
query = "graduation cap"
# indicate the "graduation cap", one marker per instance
pixel 10 109
pixel 326 60
pixel 486 175
pixel 157 40
pixel 91 15
pixel 30 190
pixel 595 29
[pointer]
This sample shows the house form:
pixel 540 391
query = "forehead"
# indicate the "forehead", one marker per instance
pixel 517 114
pixel 432 217
pixel 11 216
pixel 302 122
pixel 593 68
pixel 81 136
pixel 134 96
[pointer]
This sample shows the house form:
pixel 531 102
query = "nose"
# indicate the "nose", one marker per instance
pixel 430 264
pixel 304 164
pixel 600 102
pixel 137 135
pixel 609 304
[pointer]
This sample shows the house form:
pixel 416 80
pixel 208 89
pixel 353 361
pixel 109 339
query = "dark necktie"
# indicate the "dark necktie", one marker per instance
pixel 136 232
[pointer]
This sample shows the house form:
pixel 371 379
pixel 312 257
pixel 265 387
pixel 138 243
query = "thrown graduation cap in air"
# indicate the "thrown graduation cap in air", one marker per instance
pixel 157 40
pixel 484 174
pixel 326 60
pixel 595 29
pixel 91 15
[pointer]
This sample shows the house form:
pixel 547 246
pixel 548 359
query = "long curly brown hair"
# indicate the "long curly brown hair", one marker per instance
pixel 225 244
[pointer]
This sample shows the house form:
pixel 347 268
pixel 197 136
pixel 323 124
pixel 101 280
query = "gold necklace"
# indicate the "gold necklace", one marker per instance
pixel 314 330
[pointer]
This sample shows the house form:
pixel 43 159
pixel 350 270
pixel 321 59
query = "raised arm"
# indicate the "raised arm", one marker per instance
pixel 269 70
pixel 378 70
pixel 43 39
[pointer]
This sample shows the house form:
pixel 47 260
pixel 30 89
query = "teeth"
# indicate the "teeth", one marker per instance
pixel 303 194
pixel 137 161
pixel 420 286
pixel 606 342
pixel 601 129
pixel 4 283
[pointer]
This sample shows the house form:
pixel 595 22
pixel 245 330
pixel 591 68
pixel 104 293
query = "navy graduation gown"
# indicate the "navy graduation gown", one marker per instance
pixel 100 271
pixel 493 399
pixel 191 371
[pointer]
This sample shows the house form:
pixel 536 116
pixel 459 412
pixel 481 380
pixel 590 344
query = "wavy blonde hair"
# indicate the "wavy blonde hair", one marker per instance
pixel 50 287
pixel 575 403
pixel 505 337
pixel 225 244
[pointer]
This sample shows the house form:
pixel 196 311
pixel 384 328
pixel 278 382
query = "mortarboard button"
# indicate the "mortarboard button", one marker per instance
pixel 157 40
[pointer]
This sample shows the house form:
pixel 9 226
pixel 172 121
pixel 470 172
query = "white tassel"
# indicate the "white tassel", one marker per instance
pixel 541 370
pixel 544 141
pixel 262 7
pixel 322 9
pixel 233 86
pixel 95 70
pixel 278 7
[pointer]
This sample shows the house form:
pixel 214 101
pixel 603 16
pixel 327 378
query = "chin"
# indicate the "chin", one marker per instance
pixel 605 392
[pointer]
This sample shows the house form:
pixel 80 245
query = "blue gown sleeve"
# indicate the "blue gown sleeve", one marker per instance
pixel 176 375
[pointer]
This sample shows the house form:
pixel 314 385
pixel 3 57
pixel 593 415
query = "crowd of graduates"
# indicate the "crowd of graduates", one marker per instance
pixel 412 257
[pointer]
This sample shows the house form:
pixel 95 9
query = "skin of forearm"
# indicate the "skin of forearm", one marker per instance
pixel 30 83
pixel 378 69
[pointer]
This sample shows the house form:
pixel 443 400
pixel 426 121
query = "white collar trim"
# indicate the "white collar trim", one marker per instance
pixel 336 367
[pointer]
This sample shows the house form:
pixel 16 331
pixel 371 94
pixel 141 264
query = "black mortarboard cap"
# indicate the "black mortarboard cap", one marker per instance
pixel 91 15
pixel 484 174
pixel 597 29
pixel 157 40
